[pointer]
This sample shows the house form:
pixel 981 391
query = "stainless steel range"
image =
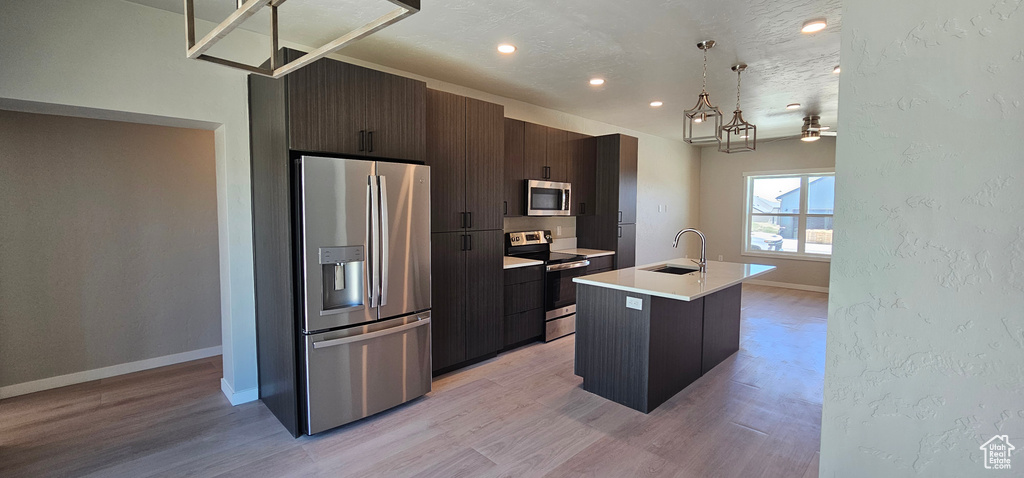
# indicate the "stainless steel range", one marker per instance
pixel 559 289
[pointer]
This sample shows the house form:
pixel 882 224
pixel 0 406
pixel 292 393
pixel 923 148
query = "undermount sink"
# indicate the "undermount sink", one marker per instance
pixel 671 269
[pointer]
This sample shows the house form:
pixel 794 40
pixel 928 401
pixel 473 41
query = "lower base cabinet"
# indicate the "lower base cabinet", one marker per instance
pixel 524 305
pixel 467 297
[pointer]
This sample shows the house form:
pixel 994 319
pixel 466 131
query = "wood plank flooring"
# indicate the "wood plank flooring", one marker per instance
pixel 523 413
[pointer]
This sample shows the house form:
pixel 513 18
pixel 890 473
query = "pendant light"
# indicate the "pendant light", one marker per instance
pixel 738 135
pixel 703 115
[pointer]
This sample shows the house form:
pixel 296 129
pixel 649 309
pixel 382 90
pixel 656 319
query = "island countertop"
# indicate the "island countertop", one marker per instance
pixel 720 275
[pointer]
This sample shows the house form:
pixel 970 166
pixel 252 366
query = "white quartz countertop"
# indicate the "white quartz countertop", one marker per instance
pixel 513 262
pixel 720 275
pixel 588 252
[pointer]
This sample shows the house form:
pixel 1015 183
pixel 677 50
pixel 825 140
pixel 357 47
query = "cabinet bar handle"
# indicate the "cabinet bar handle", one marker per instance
pixel 470 237
pixel 469 223
pixel 620 231
pixel 362 140
pixel 370 134
pixel 620 216
pixel 506 207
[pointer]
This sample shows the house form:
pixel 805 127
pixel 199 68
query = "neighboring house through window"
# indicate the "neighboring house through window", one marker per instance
pixel 789 214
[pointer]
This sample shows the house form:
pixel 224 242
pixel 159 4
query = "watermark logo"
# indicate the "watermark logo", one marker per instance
pixel 997 452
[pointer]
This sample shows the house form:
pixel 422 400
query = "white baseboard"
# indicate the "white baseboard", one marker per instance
pixel 238 398
pixel 105 372
pixel 787 285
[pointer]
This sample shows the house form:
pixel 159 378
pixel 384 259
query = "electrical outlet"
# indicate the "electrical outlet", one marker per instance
pixel 719 258
pixel 634 303
pixel 558 231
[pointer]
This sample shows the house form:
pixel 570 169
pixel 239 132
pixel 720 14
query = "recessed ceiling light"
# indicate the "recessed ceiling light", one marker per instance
pixel 506 48
pixel 655 104
pixel 815 25
pixel 836 70
pixel 596 81
pixel 793 106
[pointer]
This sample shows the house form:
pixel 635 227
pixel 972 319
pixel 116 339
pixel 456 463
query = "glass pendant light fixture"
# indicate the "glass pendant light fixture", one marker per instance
pixel 738 135
pixel 705 117
pixel 811 130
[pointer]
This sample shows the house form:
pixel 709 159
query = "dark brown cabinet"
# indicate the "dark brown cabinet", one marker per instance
pixel 467 297
pixel 558 155
pixel 582 173
pixel 484 293
pixel 465 150
pixel 338 108
pixel 613 224
pixel 514 202
pixel 524 305
pixel 447 304
pixel 535 151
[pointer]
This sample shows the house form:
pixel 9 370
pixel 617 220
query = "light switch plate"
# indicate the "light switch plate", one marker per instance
pixel 634 303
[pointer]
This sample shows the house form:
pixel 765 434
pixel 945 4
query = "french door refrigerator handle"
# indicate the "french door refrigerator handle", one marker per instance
pixel 368 247
pixel 373 256
pixel 370 335
pixel 385 243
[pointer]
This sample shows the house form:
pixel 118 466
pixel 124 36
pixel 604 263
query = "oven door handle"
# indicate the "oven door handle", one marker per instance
pixel 568 265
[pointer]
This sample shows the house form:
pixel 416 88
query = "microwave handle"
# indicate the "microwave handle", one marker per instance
pixel 566 204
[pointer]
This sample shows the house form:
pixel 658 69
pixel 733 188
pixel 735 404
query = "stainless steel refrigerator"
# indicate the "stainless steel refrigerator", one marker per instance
pixel 365 236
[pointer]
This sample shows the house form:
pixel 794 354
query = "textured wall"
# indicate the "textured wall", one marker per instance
pixel 722 201
pixel 925 353
pixel 108 249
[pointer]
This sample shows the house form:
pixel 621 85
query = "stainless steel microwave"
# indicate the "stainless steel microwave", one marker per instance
pixel 548 198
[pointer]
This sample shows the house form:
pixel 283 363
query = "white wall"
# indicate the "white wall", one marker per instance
pixel 722 203
pixel 125 61
pixel 925 353
pixel 108 249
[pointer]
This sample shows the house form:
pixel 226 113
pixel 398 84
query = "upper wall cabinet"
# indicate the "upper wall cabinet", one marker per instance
pixel 339 108
pixel 514 168
pixel 583 173
pixel 466 139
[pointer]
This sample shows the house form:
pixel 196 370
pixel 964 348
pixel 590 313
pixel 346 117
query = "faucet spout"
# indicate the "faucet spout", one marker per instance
pixel 703 242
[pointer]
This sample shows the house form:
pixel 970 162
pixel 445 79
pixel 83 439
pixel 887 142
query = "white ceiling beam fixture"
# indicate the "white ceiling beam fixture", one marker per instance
pixel 196 49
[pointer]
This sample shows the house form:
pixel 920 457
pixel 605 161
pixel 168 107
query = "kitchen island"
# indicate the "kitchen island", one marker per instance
pixel 645 333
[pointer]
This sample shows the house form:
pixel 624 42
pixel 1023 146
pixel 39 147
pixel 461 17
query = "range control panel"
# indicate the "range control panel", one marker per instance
pixel 529 238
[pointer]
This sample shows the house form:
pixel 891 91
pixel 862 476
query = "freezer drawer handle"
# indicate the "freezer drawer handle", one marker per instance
pixel 371 335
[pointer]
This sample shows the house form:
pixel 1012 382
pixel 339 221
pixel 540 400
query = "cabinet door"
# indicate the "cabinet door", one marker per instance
pixel 535 146
pixel 446 156
pixel 514 187
pixel 396 121
pixel 448 300
pixel 625 254
pixel 485 145
pixel 484 293
pixel 558 155
pixel 627 178
pixel 582 173
pixel 327 107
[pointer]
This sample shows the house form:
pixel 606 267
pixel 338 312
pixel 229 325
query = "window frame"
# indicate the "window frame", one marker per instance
pixel 748 205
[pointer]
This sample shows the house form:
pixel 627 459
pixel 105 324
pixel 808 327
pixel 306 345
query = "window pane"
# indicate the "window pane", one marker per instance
pixel 821 192
pixel 773 233
pixel 775 195
pixel 819 235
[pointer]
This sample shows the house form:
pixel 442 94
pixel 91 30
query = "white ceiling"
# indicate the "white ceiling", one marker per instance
pixel 646 50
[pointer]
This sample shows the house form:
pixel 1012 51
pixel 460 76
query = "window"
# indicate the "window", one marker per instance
pixel 789 214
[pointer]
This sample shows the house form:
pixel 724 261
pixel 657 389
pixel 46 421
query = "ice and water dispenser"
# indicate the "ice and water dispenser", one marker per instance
pixel 342 269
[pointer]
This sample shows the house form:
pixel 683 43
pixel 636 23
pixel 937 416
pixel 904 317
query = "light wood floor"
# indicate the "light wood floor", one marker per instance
pixel 521 414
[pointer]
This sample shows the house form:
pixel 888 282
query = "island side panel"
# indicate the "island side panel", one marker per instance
pixel 721 326
pixel 613 345
pixel 676 342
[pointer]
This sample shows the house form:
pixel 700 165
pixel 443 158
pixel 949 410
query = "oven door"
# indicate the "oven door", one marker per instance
pixel 548 198
pixel 560 289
